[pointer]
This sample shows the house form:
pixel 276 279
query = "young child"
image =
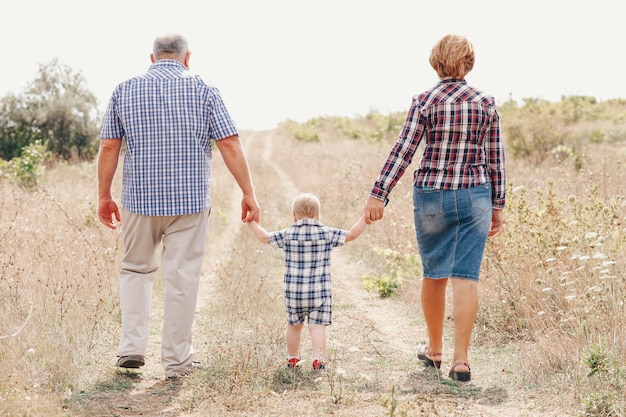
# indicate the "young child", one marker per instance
pixel 307 245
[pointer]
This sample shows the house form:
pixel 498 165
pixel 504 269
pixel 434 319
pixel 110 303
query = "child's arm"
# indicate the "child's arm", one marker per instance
pixel 258 231
pixel 356 230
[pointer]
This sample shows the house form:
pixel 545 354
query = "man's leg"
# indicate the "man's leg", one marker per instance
pixel 183 250
pixel 139 265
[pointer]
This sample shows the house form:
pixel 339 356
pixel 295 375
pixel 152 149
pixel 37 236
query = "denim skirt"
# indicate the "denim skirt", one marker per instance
pixel 451 227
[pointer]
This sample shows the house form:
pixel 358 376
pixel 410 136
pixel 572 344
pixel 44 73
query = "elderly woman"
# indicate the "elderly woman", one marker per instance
pixel 458 194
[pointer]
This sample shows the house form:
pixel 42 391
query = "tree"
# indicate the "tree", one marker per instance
pixel 56 108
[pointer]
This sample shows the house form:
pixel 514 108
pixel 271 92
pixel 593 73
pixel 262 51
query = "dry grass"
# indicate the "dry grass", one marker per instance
pixel 550 338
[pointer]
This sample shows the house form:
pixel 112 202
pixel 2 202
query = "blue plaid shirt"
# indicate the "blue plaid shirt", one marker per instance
pixel 168 118
pixel 307 245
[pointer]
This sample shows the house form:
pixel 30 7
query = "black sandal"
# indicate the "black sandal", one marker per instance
pixel 460 376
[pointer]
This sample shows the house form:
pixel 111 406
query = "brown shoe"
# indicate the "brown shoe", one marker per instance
pixel 131 361
pixel 460 376
pixel 425 355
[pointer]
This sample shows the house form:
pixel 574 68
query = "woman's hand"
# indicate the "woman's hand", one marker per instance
pixel 496 222
pixel 374 209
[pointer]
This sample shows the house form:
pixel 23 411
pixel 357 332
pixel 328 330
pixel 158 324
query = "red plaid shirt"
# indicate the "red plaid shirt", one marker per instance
pixel 461 129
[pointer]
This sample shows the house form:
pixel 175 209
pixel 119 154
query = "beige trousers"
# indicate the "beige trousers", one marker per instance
pixel 183 241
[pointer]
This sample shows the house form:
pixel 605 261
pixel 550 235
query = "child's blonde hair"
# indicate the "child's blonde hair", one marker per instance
pixel 306 205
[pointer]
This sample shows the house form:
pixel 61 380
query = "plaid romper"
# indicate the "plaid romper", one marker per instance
pixel 307 245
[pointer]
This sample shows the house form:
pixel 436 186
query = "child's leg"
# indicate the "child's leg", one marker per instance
pixel 318 339
pixel 293 339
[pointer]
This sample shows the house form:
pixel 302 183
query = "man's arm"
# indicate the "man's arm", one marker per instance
pixel 108 158
pixel 356 230
pixel 259 231
pixel 235 158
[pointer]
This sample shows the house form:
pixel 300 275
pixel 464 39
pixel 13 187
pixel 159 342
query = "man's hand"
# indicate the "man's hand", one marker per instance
pixel 250 209
pixel 107 209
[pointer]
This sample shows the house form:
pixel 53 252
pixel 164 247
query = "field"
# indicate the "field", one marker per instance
pixel 549 340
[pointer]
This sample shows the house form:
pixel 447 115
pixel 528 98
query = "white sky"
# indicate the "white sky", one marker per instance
pixel 291 59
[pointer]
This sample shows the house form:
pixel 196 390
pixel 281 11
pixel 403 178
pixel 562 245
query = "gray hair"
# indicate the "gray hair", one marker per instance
pixel 173 45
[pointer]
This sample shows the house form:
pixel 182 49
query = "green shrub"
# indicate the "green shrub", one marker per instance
pixel 598 136
pixel 397 266
pixel 56 107
pixel 27 168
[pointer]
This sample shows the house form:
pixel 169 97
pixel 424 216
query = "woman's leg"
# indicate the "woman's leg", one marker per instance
pixel 465 302
pixel 434 307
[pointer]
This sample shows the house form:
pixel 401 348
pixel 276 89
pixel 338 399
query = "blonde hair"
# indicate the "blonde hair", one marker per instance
pixel 452 56
pixel 306 205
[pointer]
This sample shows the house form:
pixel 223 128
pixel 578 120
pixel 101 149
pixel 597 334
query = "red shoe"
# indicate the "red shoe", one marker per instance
pixel 317 365
pixel 293 363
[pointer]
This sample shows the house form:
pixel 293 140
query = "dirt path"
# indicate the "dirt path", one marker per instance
pixel 370 342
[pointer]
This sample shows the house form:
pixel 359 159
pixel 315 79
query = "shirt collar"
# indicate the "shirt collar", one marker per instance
pixel 308 221
pixel 452 81
pixel 168 63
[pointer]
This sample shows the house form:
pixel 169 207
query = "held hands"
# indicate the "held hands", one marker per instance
pixel 374 209
pixel 250 210
pixel 107 209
